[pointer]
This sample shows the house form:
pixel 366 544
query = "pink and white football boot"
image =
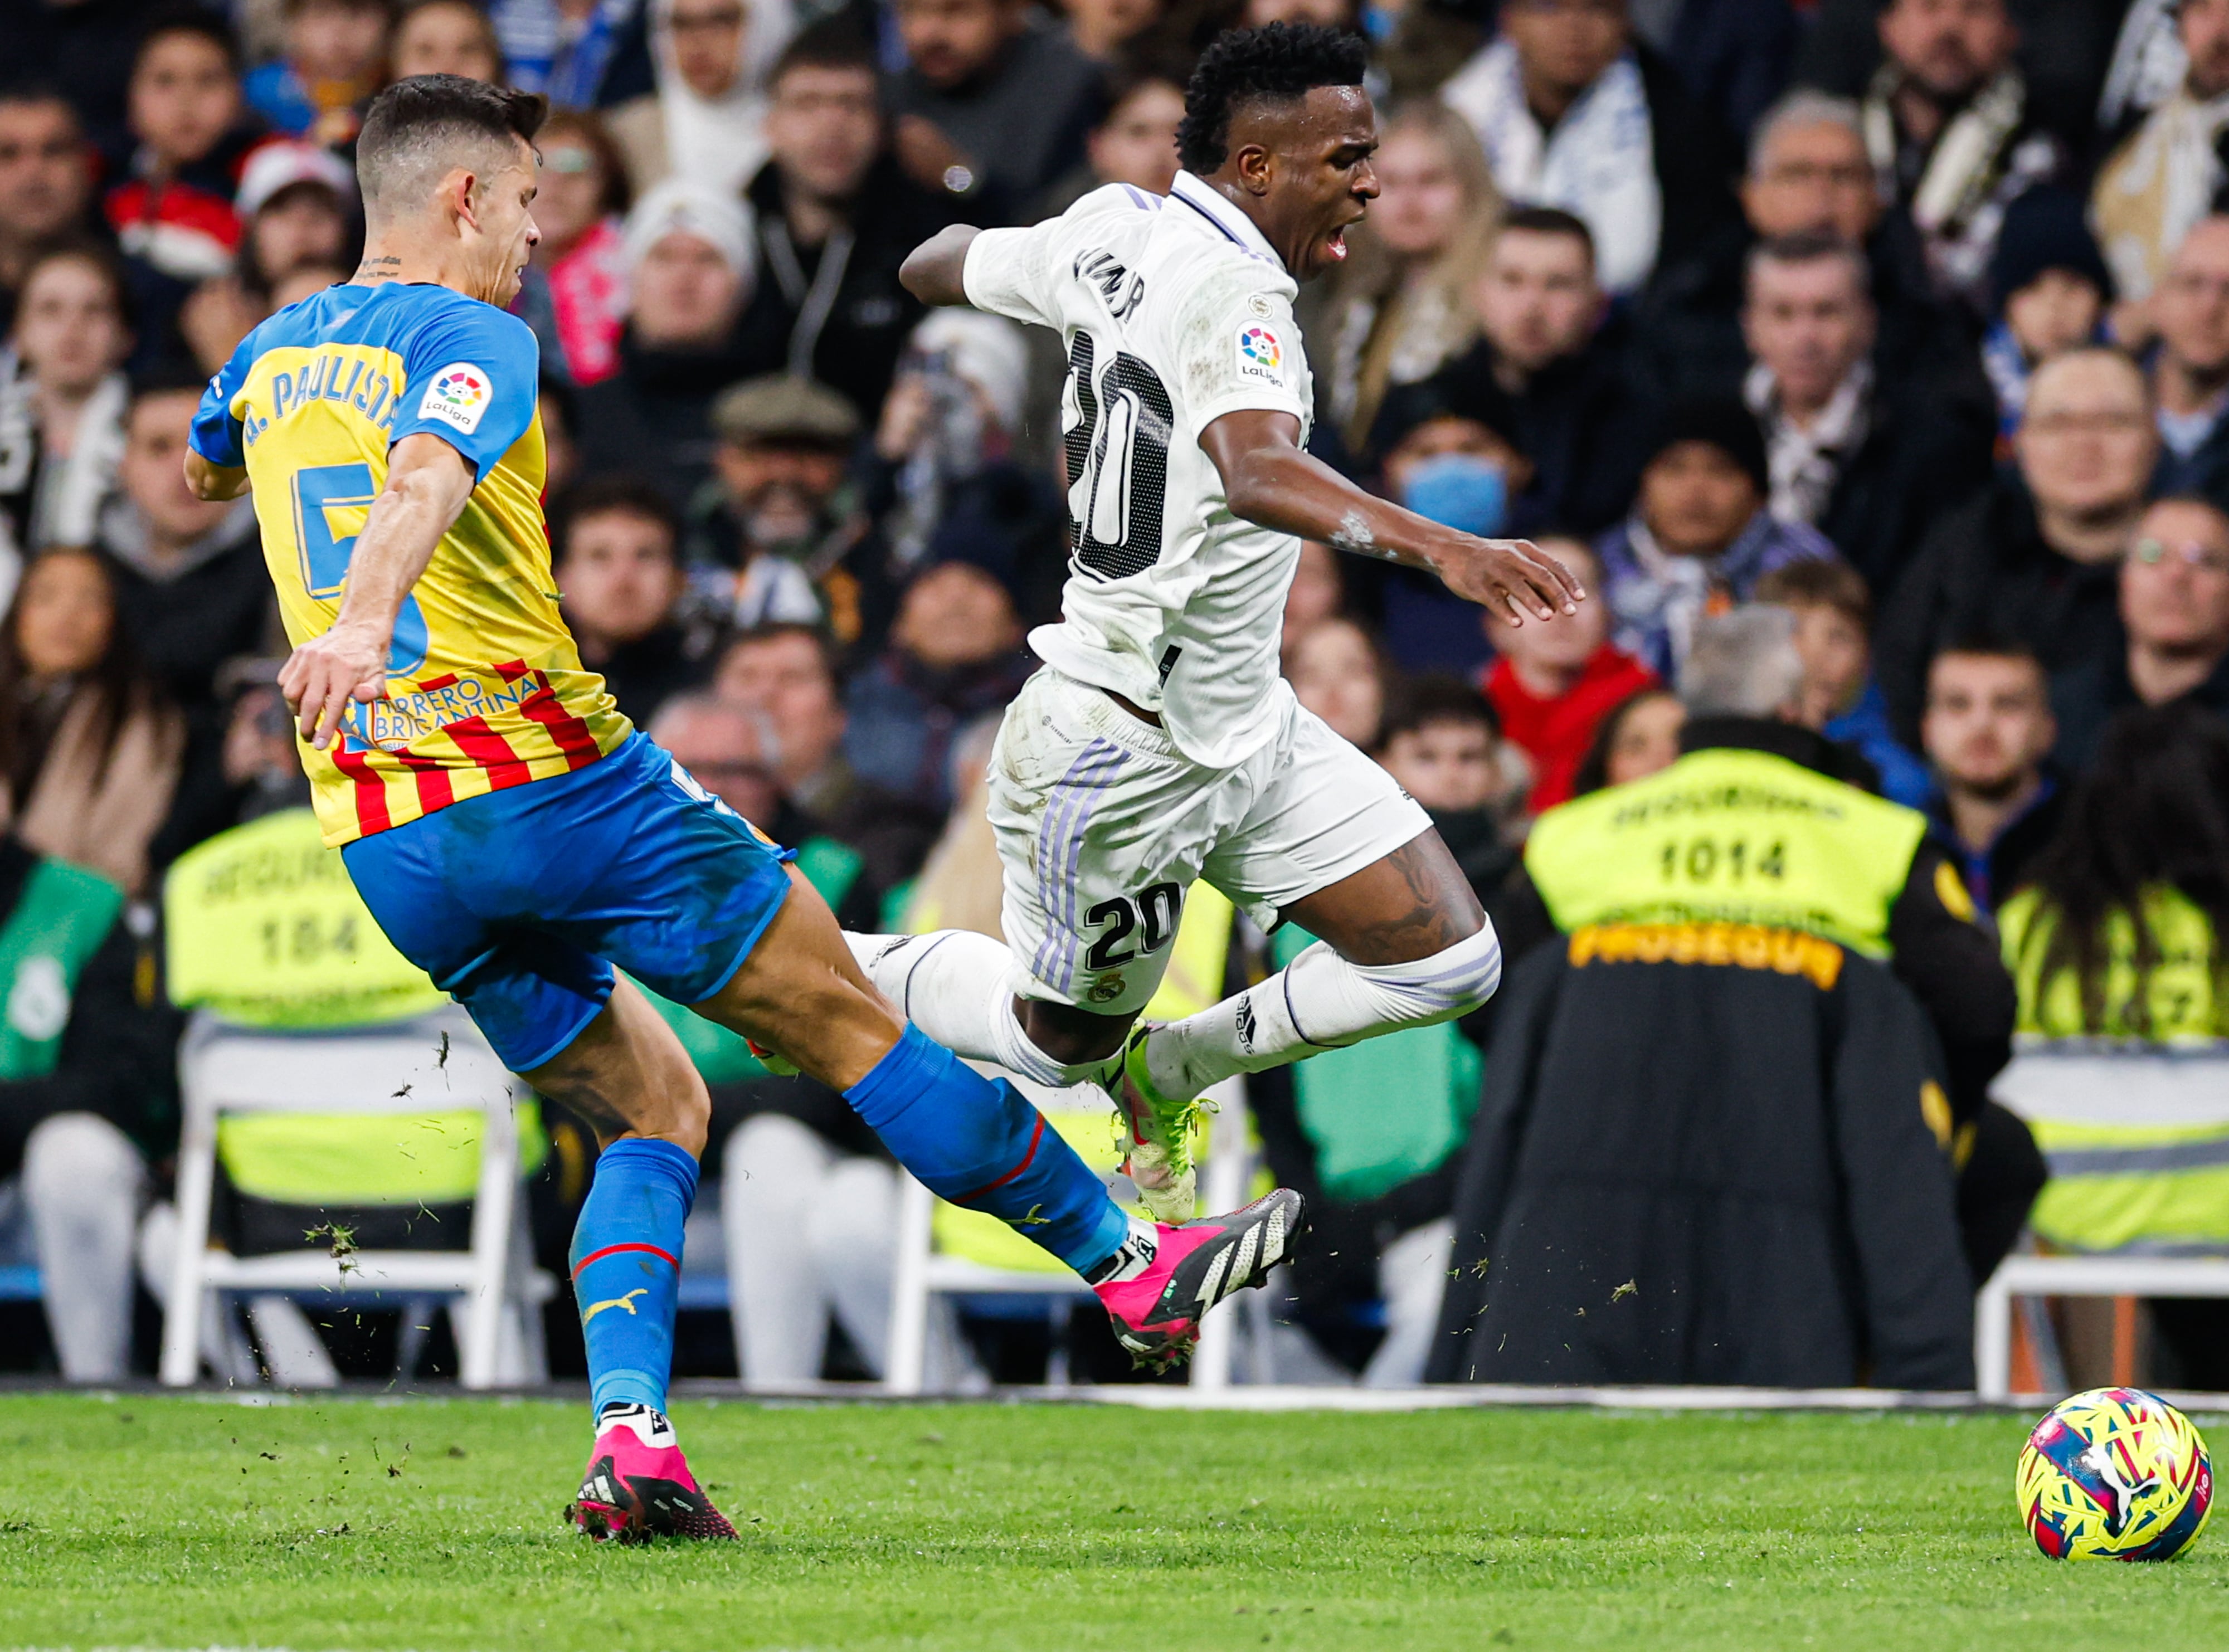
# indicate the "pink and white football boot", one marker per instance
pixel 639 1485
pixel 1160 1283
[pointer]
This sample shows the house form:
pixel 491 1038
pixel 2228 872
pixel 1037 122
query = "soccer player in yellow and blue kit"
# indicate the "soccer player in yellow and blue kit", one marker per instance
pixel 516 838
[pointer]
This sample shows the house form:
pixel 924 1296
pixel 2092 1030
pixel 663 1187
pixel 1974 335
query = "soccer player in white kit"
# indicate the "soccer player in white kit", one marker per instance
pixel 1159 743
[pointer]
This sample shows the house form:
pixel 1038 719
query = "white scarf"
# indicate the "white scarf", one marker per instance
pixel 1599 164
pixel 1805 464
pixel 2156 187
pixel 720 141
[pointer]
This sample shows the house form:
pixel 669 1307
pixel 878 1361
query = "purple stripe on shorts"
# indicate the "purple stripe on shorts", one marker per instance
pixel 1064 801
pixel 1075 856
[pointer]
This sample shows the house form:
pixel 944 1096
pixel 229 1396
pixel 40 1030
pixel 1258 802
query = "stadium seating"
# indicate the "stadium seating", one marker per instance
pixel 226 1071
pixel 2125 1129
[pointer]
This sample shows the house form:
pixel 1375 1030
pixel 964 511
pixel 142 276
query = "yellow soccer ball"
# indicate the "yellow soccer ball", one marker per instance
pixel 2115 1474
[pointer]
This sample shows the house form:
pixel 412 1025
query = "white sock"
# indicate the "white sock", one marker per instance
pixel 955 985
pixel 652 1426
pixel 1132 1257
pixel 1319 1001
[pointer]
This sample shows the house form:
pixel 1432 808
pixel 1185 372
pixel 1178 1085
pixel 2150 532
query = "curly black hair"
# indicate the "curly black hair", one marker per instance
pixel 1280 63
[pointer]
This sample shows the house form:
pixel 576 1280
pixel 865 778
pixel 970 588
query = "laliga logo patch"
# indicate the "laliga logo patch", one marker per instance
pixel 1259 356
pixel 458 396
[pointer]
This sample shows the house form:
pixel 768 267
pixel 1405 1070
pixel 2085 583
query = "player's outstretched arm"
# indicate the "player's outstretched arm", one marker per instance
pixel 212 482
pixel 427 484
pixel 1268 479
pixel 932 271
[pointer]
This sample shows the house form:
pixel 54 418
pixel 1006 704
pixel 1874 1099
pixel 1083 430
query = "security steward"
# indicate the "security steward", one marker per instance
pixel 1763 822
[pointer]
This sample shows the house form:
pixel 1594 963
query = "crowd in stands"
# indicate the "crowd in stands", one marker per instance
pixel 1867 360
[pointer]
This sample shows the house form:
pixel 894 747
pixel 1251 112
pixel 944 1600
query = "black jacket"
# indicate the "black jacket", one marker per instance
pixel 1985 569
pixel 1949 962
pixel 1690 1173
pixel 857 344
pixel 2087 697
pixel 652 418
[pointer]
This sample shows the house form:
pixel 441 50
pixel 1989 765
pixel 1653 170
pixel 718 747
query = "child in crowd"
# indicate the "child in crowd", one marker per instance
pixel 1442 742
pixel 1554 683
pixel 175 210
pixel 1636 739
pixel 2052 290
pixel 1834 617
pixel 445 37
pixel 336 57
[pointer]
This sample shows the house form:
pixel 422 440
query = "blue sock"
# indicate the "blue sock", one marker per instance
pixel 978 1143
pixel 626 1268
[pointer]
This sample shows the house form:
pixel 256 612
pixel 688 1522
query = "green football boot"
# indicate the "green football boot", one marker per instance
pixel 1156 1132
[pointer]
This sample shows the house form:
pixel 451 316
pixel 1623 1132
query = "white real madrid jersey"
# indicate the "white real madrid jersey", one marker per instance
pixel 1175 311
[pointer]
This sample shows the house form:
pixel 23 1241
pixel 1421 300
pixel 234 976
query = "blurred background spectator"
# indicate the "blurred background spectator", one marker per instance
pixel 1989 732
pixel 1700 535
pixel 61 402
pixel 449 37
pixel 334 55
pixel 46 183
pixel 706 117
pixel 619 565
pixel 575 291
pixel 1834 618
pixel 687 256
pixel 769 541
pixel 2165 175
pixel 2190 369
pixel 89 749
pixel 837 215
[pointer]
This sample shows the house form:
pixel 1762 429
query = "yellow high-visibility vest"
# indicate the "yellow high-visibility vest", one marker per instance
pixel 1729 837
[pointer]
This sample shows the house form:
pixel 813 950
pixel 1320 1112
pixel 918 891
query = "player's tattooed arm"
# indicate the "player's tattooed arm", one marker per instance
pixel 427 484
pixel 1268 479
pixel 933 270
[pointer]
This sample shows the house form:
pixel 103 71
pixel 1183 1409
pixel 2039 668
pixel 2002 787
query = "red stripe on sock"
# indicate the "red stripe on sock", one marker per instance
pixel 1035 1136
pixel 613 1249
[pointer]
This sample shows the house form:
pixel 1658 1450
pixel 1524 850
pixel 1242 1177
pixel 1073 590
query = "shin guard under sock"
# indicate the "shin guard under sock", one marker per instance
pixel 626 1268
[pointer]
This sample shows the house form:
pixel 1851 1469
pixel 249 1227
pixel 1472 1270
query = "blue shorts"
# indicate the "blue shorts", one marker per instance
pixel 519 902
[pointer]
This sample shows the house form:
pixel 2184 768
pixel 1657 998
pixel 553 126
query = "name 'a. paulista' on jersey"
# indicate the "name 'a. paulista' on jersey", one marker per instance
pixel 486 688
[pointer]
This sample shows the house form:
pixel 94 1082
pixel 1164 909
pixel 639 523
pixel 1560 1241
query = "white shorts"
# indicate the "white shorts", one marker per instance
pixel 1102 826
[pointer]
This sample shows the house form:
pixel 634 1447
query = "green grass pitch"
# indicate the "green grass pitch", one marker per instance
pixel 144 1521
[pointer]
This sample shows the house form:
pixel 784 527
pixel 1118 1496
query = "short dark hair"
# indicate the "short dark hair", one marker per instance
pixel 1419 702
pixel 1808 247
pixel 824 646
pixel 86 250
pixel 171 376
pixel 1549 220
pixel 420 124
pixel 1280 63
pixel 187 20
pixel 832 43
pixel 1819 582
pixel 31 94
pixel 1987 644
pixel 612 495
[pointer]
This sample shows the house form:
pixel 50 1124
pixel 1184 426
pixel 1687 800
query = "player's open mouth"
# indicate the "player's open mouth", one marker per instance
pixel 1337 245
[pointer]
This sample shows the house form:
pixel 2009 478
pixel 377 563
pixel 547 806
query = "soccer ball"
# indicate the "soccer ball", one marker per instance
pixel 2115 1474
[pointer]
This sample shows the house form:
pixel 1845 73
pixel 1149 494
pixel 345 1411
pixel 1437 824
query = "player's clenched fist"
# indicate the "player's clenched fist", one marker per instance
pixel 320 677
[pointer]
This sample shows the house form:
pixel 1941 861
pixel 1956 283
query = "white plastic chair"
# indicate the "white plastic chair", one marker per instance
pixel 2074 1082
pixel 438 1062
pixel 923 1272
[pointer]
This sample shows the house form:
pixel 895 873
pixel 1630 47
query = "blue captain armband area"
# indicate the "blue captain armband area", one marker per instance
pixel 472 373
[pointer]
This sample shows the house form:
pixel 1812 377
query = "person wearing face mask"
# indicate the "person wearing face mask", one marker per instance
pixel 1700 535
pixel 768 540
pixel 1454 462
pixel 706 119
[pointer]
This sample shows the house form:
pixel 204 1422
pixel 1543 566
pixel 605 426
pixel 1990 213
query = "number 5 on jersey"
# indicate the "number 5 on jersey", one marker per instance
pixel 330 503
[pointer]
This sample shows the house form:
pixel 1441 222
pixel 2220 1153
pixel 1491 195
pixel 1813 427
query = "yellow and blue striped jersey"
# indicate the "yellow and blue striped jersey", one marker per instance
pixel 486 688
